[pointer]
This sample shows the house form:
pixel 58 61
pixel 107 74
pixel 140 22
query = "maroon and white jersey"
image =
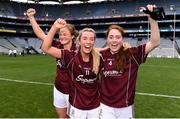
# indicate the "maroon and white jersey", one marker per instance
pixel 118 87
pixel 62 74
pixel 84 92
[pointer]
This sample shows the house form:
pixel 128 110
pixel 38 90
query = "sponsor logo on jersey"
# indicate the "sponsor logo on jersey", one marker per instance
pixel 81 78
pixel 112 73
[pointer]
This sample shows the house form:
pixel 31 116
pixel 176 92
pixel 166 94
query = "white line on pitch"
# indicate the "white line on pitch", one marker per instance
pixel 20 81
pixel 158 95
pixel 138 93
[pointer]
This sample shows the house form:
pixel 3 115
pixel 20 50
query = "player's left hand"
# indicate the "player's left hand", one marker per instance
pixel 126 45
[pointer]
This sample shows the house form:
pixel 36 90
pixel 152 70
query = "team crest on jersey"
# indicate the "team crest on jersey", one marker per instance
pixel 79 66
pixel 110 62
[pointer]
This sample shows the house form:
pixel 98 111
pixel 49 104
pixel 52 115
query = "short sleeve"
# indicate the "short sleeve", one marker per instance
pixel 139 53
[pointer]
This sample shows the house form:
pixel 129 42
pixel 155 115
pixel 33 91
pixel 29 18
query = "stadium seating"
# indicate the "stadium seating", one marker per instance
pixel 110 8
pixel 96 15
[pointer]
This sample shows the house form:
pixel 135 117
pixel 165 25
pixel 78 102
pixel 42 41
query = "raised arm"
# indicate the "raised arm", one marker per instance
pixel 155 34
pixel 47 44
pixel 36 28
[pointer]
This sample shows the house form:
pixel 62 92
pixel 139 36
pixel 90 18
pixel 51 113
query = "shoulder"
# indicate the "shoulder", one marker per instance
pixel 57 44
pixel 138 49
pixel 73 47
pixel 68 53
pixel 105 52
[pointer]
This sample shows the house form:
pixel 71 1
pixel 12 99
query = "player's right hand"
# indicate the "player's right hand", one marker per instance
pixel 60 23
pixel 30 12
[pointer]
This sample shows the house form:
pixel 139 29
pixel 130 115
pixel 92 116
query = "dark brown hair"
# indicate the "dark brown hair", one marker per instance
pixel 120 29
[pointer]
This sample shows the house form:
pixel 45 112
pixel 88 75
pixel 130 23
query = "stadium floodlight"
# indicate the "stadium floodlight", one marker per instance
pixel 23 1
pixel 173 9
pixel 48 2
pixel 73 2
pixel 91 1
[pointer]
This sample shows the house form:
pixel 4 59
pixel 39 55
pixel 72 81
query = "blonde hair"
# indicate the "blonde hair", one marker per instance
pixel 80 34
pixel 95 54
pixel 96 60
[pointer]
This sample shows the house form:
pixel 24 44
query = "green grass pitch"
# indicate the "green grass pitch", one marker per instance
pixel 158 76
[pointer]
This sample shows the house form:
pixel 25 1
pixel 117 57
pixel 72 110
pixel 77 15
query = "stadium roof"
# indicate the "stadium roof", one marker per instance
pixel 61 1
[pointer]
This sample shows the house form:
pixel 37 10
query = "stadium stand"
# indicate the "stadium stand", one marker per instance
pixel 98 15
